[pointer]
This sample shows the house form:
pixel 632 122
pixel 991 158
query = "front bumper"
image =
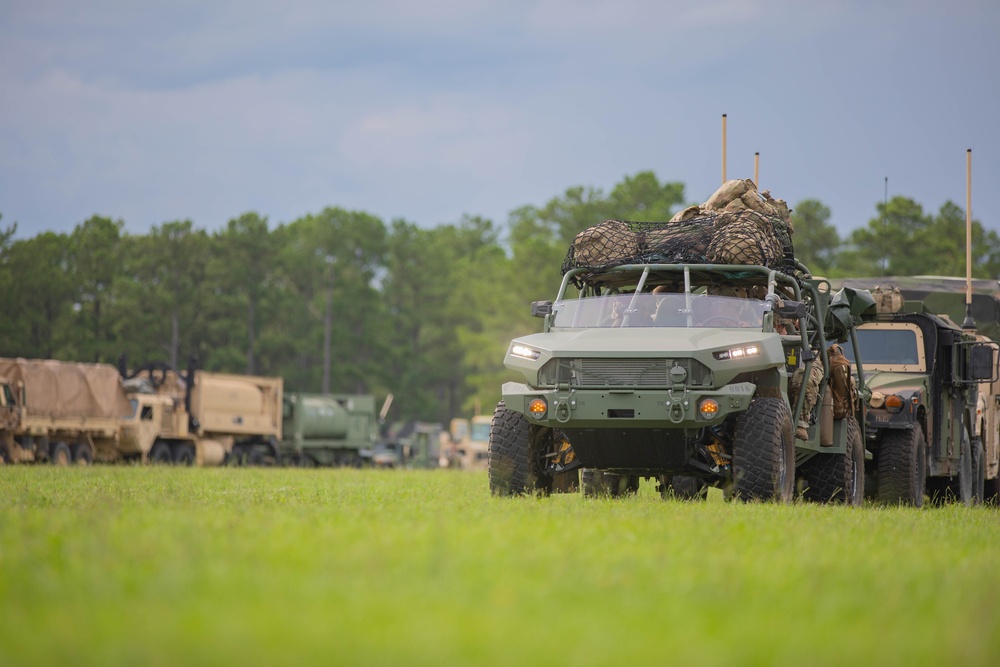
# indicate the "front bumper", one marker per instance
pixel 629 408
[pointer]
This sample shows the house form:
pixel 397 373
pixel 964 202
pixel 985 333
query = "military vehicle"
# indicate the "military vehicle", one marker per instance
pixel 933 415
pixel 662 357
pixel 199 417
pixel 59 412
pixel 331 429
pixel 468 446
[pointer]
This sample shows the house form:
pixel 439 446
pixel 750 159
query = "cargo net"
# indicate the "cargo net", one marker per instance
pixel 737 237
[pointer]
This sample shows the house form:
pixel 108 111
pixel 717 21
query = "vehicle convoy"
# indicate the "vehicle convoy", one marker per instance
pixel 200 417
pixel 331 429
pixel 59 412
pixel 933 414
pixel 667 354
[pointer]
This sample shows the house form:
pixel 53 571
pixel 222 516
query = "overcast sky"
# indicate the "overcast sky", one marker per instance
pixel 428 110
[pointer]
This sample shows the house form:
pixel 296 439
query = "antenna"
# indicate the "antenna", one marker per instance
pixel 885 225
pixel 723 148
pixel 756 170
pixel 970 322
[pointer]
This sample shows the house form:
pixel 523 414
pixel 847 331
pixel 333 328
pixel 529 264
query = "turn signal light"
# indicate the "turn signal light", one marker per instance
pixel 537 408
pixel 893 404
pixel 709 408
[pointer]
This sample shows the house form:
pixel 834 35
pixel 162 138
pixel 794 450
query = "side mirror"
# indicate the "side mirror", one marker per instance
pixel 541 308
pixel 981 367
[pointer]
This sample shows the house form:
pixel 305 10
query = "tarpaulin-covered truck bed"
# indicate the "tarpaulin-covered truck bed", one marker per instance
pixel 67 390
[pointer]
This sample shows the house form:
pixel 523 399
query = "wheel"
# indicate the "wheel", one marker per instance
pixel 59 455
pixel 764 451
pixel 160 453
pixel 962 487
pixel 184 455
pixel 978 472
pixel 838 478
pixel 681 487
pixel 516 454
pixel 600 483
pixel 902 466
pixel 83 455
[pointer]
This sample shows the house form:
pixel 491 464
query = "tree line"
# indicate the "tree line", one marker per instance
pixel 341 301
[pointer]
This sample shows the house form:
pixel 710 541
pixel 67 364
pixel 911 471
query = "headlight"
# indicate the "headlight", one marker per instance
pixel 737 353
pixel 525 352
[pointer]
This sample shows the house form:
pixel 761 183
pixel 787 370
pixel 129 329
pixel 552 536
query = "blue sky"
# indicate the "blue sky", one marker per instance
pixel 158 111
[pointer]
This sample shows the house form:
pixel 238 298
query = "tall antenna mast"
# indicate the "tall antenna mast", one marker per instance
pixel 756 170
pixel 885 225
pixel 970 322
pixel 723 148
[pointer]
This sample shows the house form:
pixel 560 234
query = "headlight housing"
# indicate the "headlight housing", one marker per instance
pixel 525 352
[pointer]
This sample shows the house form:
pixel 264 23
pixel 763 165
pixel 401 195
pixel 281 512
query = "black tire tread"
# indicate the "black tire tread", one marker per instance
pixel 898 466
pixel 513 455
pixel 763 434
pixel 830 475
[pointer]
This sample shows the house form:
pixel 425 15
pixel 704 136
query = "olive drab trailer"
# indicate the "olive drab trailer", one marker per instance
pixel 330 429
pixel 944 440
pixel 59 411
pixel 201 417
pixel 669 353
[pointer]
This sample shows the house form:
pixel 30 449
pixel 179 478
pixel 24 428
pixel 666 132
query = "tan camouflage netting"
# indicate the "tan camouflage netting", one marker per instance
pixel 737 225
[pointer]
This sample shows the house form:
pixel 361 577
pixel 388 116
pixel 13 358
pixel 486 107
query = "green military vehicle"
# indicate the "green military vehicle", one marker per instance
pixel 932 416
pixel 663 356
pixel 328 429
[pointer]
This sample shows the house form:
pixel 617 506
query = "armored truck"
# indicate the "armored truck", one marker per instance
pixel 668 354
pixel 328 429
pixel 931 419
pixel 199 417
pixel 59 412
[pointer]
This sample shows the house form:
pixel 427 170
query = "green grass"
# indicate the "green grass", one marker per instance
pixel 150 566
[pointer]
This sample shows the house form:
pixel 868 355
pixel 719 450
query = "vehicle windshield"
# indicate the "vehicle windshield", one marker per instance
pixel 480 432
pixel 659 310
pixel 885 347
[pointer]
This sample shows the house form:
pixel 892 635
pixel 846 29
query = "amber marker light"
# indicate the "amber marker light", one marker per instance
pixel 893 404
pixel 709 408
pixel 537 408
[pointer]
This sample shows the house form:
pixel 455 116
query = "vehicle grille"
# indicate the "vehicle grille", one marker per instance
pixel 588 372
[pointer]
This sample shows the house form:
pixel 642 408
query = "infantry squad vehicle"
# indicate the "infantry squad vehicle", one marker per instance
pixel 667 354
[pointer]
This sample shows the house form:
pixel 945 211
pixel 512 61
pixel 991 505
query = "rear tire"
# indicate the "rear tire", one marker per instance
pixel 184 455
pixel 516 451
pixel 978 472
pixel 902 467
pixel 160 453
pixel 838 478
pixel 60 455
pixel 82 454
pixel 599 483
pixel 764 451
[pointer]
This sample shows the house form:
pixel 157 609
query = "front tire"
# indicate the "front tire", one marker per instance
pixel 902 467
pixel 516 451
pixel 839 478
pixel 764 451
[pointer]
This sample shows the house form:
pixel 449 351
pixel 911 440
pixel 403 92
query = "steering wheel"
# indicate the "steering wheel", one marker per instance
pixel 720 321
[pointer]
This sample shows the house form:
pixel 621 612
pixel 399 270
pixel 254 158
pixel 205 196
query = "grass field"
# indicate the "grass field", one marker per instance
pixel 167 566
